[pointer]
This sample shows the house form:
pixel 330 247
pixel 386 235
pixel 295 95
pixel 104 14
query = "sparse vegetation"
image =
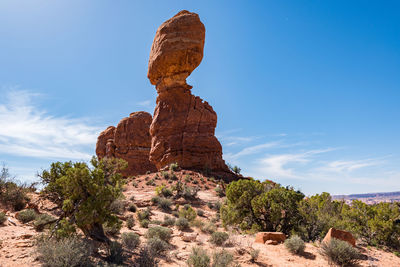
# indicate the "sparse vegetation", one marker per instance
pixel 220 191
pixel 168 221
pixel 160 232
pixel 3 217
pixel 200 212
pixel 130 240
pixel 27 215
pixel 144 223
pixel 115 253
pixel 198 258
pixel 209 228
pixel 146 258
pixel 182 223
pixel 117 207
pixel 254 254
pixel 66 252
pixel 156 245
pixel 187 212
pixel 222 259
pixel 13 194
pixel 340 252
pixel 130 222
pixel 42 221
pixel 295 244
pixel 173 167
pixel 112 229
pixel 132 207
pixel 219 238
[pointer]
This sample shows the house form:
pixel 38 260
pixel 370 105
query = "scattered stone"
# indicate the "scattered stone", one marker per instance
pixel 340 234
pixel 262 237
pixel 189 237
pixel 272 242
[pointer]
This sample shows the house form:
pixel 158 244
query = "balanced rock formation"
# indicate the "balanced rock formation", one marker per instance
pixel 130 141
pixel 339 234
pixel 183 126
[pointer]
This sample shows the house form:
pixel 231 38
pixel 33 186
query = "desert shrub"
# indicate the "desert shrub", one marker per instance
pixel 144 223
pixel 85 194
pixel 189 193
pixel 254 254
pixel 112 229
pixel 130 240
pixel 173 167
pixel 115 253
pixel 117 206
pixel 235 169
pixel 168 221
pixel 165 204
pixel 155 199
pixel 220 191
pixel 132 207
pixel 217 206
pixel 27 215
pixel 188 178
pixel 43 220
pixel 295 244
pixel 339 252
pixel 66 252
pixel 12 193
pixel 158 222
pixel 160 232
pixel 156 245
pixel 210 205
pixel 130 222
pixel 182 223
pixel 3 217
pixel 146 258
pixel 251 202
pixel 197 223
pixel 222 259
pixel 219 238
pixel 164 191
pixel 209 228
pixel 198 258
pixel 200 212
pixel 165 175
pixel 151 182
pixel 187 212
pixel 144 214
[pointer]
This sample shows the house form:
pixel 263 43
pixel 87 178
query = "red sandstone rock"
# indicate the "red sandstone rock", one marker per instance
pixel 183 127
pixel 129 141
pixel 263 237
pixel 340 234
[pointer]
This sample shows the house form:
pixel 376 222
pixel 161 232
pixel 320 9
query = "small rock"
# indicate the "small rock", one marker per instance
pixel 189 237
pixel 262 237
pixel 271 242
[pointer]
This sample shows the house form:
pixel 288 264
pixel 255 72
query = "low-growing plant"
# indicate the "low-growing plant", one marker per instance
pixel 112 229
pixel 187 212
pixel 197 223
pixel 155 199
pixel 198 258
pixel 173 167
pixel 132 207
pixel 115 253
pixel 156 245
pixel 340 252
pixel 222 259
pixel 209 228
pixel 200 212
pixel 164 191
pixel 295 244
pixel 254 254
pixel 3 217
pixel 130 222
pixel 219 238
pixel 117 206
pixel 189 193
pixel 146 258
pixel 66 252
pixel 151 182
pixel 144 214
pixel 160 232
pixel 144 223
pixel 164 204
pixel 220 191
pixel 182 223
pixel 27 215
pixel 42 221
pixel 130 240
pixel 168 221
pixel 165 175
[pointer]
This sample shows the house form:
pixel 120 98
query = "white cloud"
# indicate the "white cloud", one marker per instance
pixel 253 150
pixel 349 165
pixel 27 130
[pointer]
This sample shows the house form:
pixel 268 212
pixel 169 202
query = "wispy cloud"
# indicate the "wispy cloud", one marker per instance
pixel 27 130
pixel 254 149
pixel 340 166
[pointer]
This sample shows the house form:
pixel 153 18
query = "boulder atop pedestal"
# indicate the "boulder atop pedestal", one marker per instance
pixel 341 235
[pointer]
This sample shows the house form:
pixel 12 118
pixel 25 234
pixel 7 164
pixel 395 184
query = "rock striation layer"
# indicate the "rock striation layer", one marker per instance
pixel 183 126
pixel 130 141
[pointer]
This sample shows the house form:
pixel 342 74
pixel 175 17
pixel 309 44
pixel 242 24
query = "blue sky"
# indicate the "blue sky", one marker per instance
pixel 307 92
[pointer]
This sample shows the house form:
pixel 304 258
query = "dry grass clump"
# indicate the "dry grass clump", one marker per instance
pixel 160 232
pixel 3 217
pixel 295 244
pixel 219 238
pixel 26 215
pixel 182 223
pixel 67 252
pixel 340 252
pixel 130 240
pixel 198 258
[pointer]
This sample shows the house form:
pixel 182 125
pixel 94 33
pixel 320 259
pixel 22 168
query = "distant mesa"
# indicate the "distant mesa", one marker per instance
pixel 183 127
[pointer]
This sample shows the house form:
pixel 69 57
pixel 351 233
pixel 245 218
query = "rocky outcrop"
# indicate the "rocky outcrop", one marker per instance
pixel 183 126
pixel 339 234
pixel 130 141
pixel 275 237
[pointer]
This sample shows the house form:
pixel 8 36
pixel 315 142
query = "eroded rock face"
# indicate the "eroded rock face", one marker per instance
pixel 130 141
pixel 183 126
pixel 340 234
